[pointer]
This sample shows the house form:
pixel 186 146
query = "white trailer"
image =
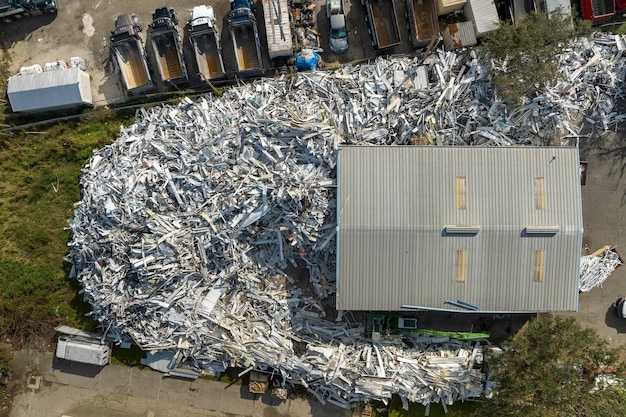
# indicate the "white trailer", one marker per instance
pixel 83 350
pixel 278 28
pixel 484 15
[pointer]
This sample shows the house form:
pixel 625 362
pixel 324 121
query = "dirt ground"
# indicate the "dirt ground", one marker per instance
pixel 82 28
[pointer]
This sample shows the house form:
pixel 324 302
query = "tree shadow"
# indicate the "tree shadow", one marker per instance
pixel 613 320
pixel 499 326
pixel 22 29
pixel 609 147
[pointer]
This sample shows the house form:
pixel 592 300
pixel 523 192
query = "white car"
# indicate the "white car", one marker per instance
pixel 338 41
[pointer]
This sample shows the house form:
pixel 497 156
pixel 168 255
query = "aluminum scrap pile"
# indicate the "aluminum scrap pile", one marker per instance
pixel 595 269
pixel 355 373
pixel 189 219
pixel 594 74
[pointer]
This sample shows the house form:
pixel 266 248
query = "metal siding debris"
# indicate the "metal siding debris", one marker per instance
pixel 189 220
pixel 597 267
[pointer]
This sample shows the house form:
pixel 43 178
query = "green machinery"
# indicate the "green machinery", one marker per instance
pixel 392 327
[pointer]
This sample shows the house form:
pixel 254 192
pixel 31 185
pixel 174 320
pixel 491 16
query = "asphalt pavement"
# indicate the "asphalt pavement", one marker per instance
pixel 604 220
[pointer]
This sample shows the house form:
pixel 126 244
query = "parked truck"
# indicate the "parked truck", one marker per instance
pixel 127 48
pixel 245 37
pixel 206 43
pixel 83 350
pixel 16 9
pixel 599 11
pixel 278 30
pixel 515 10
pixel 167 46
pixel 383 23
pixel 423 21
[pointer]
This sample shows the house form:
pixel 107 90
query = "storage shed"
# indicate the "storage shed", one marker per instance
pixel 497 228
pixel 50 90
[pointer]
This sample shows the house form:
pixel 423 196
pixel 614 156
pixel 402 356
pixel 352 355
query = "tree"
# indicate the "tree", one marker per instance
pixel 525 54
pixel 549 369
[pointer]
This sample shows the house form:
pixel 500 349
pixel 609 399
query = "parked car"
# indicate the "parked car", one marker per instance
pixel 620 304
pixel 338 41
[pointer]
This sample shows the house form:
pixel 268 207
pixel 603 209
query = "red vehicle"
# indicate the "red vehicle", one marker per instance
pixel 599 11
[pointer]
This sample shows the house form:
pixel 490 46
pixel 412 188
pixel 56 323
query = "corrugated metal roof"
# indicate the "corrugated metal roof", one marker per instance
pixel 49 90
pixel 277 27
pixel 459 34
pixel 394 204
pixel 484 15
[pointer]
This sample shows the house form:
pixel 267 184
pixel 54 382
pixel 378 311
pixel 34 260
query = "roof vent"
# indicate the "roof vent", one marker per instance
pixel 541 230
pixel 462 229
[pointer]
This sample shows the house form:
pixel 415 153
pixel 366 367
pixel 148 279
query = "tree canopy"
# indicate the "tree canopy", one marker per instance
pixel 549 369
pixel 525 54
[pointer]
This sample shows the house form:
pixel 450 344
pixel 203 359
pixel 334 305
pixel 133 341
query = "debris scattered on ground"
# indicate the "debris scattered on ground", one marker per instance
pixel 193 222
pixel 597 267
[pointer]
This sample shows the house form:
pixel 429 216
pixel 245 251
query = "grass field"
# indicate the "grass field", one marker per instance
pixel 38 187
pixel 394 409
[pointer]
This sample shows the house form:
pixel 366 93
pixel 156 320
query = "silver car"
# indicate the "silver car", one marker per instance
pixel 338 41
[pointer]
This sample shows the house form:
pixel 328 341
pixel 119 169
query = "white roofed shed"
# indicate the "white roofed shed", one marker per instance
pixel 50 90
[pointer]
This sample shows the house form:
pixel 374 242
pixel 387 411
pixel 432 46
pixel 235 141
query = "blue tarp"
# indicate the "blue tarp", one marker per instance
pixel 307 60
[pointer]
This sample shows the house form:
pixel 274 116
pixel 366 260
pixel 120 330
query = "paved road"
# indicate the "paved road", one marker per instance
pixel 604 217
pixel 116 391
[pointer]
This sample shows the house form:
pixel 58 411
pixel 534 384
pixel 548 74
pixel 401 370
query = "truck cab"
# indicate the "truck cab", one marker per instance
pixel 126 26
pixel 241 10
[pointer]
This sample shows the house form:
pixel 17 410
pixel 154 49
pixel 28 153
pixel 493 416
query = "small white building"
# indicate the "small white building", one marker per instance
pixel 49 90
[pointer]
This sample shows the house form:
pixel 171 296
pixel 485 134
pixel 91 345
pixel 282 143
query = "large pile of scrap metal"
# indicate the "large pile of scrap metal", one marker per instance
pixel 597 267
pixel 191 220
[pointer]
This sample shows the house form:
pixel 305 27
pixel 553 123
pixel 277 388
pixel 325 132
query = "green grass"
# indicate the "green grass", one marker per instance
pixel 417 410
pixel 619 30
pixel 128 357
pixel 38 187
pixel 229 377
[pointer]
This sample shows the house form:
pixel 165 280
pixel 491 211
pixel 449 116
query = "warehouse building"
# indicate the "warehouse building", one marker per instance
pixel 49 90
pixel 498 229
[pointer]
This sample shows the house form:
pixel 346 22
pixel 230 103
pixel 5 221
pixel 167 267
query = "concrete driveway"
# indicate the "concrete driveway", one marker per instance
pixel 58 388
pixel 604 218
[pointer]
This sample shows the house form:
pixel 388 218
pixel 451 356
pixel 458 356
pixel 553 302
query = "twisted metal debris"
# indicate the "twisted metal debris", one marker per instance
pixel 189 220
pixel 597 267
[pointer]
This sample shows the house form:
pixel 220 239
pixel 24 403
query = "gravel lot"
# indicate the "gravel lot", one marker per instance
pixel 83 27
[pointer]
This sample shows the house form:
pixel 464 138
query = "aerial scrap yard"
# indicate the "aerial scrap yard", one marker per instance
pixel 194 222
